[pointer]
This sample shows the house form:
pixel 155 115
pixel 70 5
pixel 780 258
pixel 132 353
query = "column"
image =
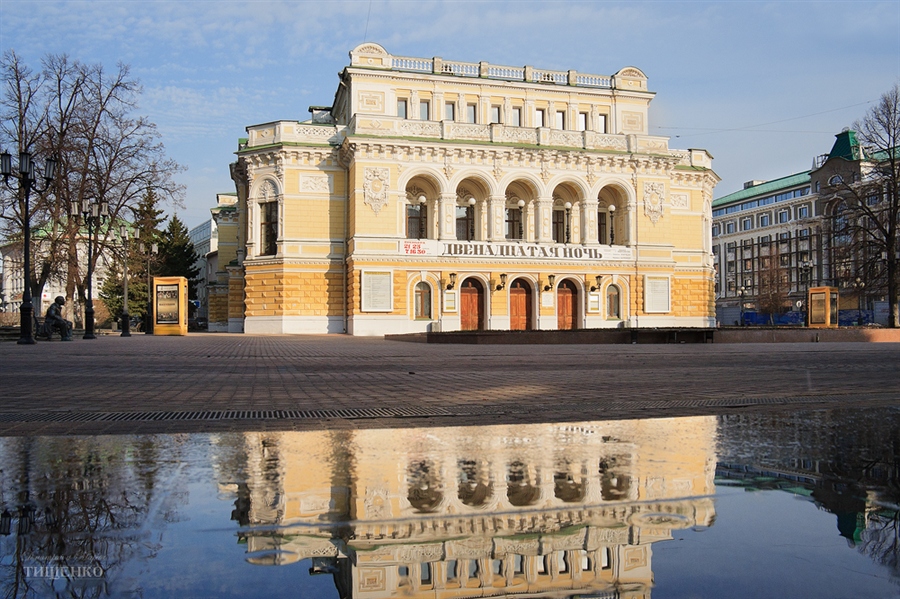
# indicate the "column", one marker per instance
pixel 445 212
pixel 496 208
pixel 544 219
pixel 589 233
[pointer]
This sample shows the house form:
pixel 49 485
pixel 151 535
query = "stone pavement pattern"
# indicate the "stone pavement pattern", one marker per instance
pixel 46 388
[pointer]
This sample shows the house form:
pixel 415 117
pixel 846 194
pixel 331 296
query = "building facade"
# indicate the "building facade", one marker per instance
pixel 773 240
pixel 439 195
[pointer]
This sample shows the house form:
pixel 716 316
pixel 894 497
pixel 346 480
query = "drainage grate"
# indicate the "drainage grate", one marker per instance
pixel 340 413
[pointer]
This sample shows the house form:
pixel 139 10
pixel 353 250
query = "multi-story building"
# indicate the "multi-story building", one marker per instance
pixel 772 240
pixel 205 238
pixel 443 195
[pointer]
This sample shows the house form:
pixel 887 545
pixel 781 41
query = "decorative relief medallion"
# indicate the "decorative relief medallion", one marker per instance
pixel 612 142
pixel 413 554
pixel 518 134
pixel 420 128
pixel 545 171
pixel 375 188
pixel 448 169
pixel 680 200
pixel 654 194
pixel 316 183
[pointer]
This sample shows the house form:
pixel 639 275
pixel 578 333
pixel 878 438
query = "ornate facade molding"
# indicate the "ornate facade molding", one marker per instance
pixel 376 186
pixel 654 196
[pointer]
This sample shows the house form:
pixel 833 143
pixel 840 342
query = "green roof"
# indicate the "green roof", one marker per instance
pixel 767 188
pixel 845 146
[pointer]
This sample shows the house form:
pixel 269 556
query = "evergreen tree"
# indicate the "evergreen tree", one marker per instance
pixel 142 262
pixel 177 255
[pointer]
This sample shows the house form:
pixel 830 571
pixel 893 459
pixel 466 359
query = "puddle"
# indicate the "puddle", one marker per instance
pixel 802 505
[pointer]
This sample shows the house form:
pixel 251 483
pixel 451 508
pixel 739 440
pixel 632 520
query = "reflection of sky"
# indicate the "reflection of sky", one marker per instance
pixel 766 544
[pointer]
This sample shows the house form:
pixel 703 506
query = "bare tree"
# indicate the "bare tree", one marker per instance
pixel 83 115
pixel 865 213
pixel 774 281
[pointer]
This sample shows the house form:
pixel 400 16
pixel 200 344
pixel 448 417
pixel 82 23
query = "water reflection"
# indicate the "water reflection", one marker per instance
pixel 558 510
pixel 847 461
pixel 491 510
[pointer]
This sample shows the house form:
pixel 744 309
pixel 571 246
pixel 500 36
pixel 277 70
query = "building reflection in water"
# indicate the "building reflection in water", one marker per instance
pixel 555 509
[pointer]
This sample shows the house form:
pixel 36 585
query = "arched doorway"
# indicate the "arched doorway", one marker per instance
pixel 566 306
pixel 471 299
pixel 520 306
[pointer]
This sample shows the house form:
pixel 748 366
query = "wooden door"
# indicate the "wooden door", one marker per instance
pixel 520 306
pixel 471 299
pixel 566 309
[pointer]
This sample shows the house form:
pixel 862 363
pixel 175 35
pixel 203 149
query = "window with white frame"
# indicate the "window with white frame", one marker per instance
pixel 422 298
pixel 784 216
pixel 746 224
pixel 268 228
pixel 402 108
pixel 424 110
pixel 515 117
pixel 471 113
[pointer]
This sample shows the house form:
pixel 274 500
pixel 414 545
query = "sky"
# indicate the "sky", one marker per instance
pixel 763 86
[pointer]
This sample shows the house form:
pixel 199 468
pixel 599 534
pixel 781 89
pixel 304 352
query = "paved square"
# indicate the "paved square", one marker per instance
pixel 211 382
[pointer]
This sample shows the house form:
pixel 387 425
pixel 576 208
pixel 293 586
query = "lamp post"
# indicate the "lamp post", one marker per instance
pixel 741 292
pixel 612 232
pixel 151 249
pixel 27 182
pixel 93 214
pixel 126 319
pixel 806 266
pixel 859 285
pixel 521 205
pixel 471 214
pixel 423 216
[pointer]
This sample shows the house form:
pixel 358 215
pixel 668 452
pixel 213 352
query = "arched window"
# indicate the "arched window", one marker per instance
pixel 268 228
pixel 423 300
pixel 613 303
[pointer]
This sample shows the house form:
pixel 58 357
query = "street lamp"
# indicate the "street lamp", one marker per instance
pixel 126 319
pixel 27 182
pixel 806 266
pixel 741 293
pixel 612 233
pixel 521 205
pixel 859 285
pixel 151 249
pixel 423 216
pixel 93 214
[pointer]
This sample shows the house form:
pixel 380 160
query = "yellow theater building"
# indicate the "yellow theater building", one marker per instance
pixel 436 195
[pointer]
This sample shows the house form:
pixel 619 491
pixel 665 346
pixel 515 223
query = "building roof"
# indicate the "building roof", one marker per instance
pixel 769 187
pixel 845 146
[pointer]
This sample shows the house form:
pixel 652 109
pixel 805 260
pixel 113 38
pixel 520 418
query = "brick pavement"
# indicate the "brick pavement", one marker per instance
pixel 220 382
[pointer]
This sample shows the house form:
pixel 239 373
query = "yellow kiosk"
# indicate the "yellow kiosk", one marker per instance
pixel 170 315
pixel 822 305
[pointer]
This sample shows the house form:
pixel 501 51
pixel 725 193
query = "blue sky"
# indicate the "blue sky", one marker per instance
pixel 764 86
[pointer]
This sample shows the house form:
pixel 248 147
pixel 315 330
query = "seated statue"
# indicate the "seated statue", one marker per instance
pixel 54 320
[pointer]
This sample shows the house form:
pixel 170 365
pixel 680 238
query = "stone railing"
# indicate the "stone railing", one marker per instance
pixel 527 74
pixel 292 132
